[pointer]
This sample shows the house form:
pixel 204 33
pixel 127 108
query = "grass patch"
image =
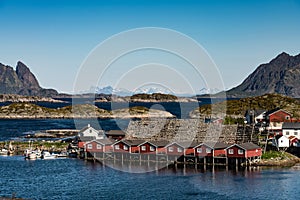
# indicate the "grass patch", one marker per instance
pixel 274 154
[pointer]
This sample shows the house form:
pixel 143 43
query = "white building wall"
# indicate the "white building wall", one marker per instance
pixel 291 132
pixel 283 141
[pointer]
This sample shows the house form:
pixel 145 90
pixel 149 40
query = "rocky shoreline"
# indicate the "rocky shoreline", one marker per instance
pixel 286 160
pixel 14 98
pixel 84 111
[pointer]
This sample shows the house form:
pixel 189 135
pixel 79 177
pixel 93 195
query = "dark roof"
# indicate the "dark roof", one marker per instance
pixel 249 146
pixel 105 141
pixel 116 132
pixel 188 144
pixel 217 145
pixel 87 138
pixel 132 142
pixel 291 125
pixel 159 143
pixel 221 145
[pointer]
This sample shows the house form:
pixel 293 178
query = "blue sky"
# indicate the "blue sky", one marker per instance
pixel 54 37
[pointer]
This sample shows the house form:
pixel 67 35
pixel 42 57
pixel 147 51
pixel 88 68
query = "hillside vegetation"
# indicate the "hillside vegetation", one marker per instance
pixel 30 111
pixel 239 107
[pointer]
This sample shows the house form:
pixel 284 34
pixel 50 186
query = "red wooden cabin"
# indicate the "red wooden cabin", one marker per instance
pixel 211 149
pixel 279 115
pixel 101 145
pixel 153 147
pixel 245 150
pixel 129 146
pixel 174 148
pixel 188 147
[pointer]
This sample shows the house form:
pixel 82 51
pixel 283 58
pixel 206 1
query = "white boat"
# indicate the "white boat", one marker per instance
pixel 3 152
pixel 29 154
pixel 47 155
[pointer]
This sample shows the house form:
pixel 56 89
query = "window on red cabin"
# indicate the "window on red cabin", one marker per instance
pixel 125 147
pixel 99 146
pixel 143 148
pixel 287 117
pixel 230 151
pixel 117 146
pixel 208 150
pixel 89 146
pixel 152 148
pixel 240 151
pixel 170 149
pixel 199 150
pixel 179 149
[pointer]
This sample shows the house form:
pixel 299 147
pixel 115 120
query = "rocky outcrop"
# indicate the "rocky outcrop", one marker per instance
pixel 281 75
pixel 32 111
pixel 22 82
pixel 21 99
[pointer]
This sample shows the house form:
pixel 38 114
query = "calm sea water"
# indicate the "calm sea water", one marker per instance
pixel 11 129
pixel 77 179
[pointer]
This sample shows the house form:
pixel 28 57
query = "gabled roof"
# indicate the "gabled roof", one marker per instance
pixel 87 138
pixel 291 125
pixel 283 136
pixel 105 141
pixel 177 143
pixel 246 146
pixel 215 145
pixel 249 146
pixel 158 143
pixel 131 142
pixel 220 145
pixel 86 128
pixel 187 144
pixel 259 112
pixel 270 112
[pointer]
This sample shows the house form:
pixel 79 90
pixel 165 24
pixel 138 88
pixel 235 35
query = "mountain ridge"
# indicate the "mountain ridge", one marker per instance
pixel 281 75
pixel 21 82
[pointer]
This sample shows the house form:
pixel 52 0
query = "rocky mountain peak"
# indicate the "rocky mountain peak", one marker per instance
pixel 26 77
pixel 21 81
pixel 281 75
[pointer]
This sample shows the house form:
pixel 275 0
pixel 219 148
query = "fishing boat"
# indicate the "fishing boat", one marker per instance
pixel 29 154
pixel 47 155
pixel 3 152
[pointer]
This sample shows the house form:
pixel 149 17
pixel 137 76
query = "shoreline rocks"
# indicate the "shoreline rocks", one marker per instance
pixel 83 111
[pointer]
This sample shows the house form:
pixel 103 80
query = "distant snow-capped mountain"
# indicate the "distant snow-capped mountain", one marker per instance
pixel 209 91
pixel 111 90
pixel 151 90
pixel 146 90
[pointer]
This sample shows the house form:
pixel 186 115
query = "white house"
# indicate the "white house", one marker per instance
pixel 281 141
pixel 90 132
pixel 291 129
